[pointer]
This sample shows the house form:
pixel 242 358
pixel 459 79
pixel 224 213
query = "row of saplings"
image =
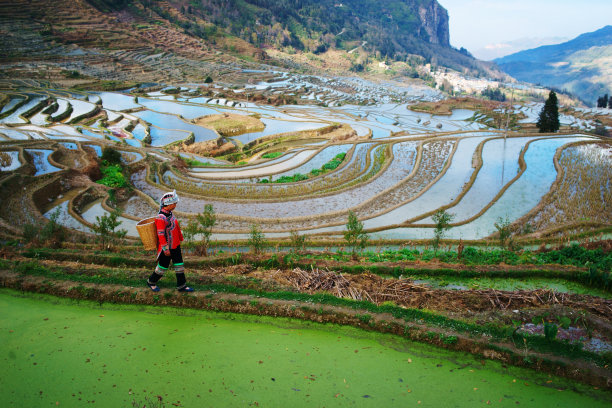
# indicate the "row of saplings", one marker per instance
pixel 108 235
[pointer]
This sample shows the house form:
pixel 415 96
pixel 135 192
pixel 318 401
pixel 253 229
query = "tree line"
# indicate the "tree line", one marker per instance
pixel 604 102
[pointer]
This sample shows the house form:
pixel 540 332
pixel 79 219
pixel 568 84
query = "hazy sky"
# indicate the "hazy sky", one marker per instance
pixel 480 24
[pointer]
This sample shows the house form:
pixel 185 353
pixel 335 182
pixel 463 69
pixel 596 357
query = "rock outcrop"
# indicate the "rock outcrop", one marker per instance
pixel 434 24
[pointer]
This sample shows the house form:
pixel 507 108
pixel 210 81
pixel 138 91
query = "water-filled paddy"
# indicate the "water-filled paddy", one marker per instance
pixel 12 162
pixel 11 104
pixel 16 117
pixel 59 352
pixel 167 121
pixel 274 126
pixel 40 158
pixel 185 110
pixel 114 101
pixel 512 284
pixel 296 160
pixel 95 209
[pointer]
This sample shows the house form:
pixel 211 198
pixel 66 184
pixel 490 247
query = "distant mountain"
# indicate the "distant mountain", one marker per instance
pixel 582 66
pixel 498 50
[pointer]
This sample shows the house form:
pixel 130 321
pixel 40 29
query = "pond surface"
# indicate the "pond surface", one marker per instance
pixel 60 352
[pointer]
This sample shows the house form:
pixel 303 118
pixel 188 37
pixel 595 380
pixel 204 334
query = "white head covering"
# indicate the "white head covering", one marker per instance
pixel 169 198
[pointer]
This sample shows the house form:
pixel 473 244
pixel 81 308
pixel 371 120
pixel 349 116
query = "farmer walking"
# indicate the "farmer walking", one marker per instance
pixel 169 237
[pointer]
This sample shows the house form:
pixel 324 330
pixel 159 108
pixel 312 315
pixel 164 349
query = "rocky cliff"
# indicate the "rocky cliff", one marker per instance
pixel 434 23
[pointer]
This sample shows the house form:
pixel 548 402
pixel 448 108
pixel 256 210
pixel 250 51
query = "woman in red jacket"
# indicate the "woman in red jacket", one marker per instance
pixel 169 237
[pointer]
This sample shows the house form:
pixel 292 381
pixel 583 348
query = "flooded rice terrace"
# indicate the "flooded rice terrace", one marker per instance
pixel 345 144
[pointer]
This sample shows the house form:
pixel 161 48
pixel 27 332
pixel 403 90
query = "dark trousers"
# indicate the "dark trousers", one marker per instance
pixel 163 263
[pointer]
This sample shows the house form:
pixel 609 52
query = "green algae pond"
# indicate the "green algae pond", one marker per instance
pixel 60 352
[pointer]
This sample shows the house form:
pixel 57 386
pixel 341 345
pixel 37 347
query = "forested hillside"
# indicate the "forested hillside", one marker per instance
pixel 394 29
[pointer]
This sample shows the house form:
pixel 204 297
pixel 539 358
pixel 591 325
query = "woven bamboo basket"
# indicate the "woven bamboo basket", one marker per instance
pixel 148 233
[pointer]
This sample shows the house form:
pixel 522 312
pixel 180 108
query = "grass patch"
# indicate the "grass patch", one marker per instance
pixel 272 155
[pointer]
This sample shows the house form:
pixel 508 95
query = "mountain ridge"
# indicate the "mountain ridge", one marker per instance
pixel 581 66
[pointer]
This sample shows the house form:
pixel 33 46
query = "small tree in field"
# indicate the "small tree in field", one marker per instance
pixel 442 219
pixel 548 120
pixel 105 229
pixel 504 233
pixel 297 241
pixel 203 225
pixel 257 240
pixel 354 234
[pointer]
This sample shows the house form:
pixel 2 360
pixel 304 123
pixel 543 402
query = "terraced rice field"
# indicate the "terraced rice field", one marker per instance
pixel 398 168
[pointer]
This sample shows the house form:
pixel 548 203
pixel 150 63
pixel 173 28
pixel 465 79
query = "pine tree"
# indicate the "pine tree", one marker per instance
pixel 548 121
pixel 604 101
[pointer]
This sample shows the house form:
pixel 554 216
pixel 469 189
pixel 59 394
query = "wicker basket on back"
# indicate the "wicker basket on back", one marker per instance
pixel 148 233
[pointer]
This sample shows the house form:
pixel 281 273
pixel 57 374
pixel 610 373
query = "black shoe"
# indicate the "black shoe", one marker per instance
pixel 185 289
pixel 153 286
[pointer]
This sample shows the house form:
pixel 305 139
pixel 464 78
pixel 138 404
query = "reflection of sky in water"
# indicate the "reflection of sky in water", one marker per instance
pixel 201 158
pixel 133 142
pixel 39 119
pixel 65 219
pixel 62 107
pixel 116 101
pixel 96 210
pixel 185 110
pixel 441 193
pixel 11 104
pixel 89 133
pixel 14 134
pixel 487 184
pixel 262 171
pixel 40 158
pixel 167 121
pixel 500 165
pixel 279 159
pixel 139 132
pixel 14 161
pixel 71 146
pixel 162 137
pixel 130 157
pixel 278 126
pixel 14 117
pixel 520 197
pixel 97 148
pixel 316 162
pixel 80 108
pixel 65 129
pixel 79 138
